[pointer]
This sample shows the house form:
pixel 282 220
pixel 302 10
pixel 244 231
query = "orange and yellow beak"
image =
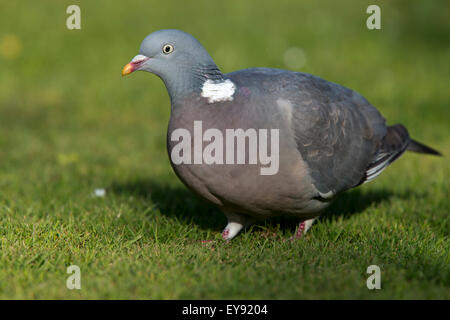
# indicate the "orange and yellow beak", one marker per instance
pixel 127 69
pixel 134 65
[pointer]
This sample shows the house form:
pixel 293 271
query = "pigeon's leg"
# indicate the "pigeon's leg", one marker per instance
pixel 303 227
pixel 231 230
pixel 235 224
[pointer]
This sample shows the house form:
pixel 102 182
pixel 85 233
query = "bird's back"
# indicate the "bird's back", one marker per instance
pixel 336 130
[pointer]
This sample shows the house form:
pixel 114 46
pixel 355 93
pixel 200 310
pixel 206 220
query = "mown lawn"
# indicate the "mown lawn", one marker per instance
pixel 69 124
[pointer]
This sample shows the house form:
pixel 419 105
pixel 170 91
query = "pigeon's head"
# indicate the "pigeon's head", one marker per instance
pixel 175 56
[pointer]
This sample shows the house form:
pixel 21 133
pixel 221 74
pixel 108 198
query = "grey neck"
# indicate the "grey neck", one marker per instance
pixel 190 81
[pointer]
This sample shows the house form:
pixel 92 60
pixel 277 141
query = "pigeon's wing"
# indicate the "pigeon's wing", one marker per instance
pixel 337 131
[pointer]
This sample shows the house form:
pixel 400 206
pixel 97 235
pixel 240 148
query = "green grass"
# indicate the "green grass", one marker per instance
pixel 70 124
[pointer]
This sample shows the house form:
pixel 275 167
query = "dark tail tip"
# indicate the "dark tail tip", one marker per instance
pixel 418 147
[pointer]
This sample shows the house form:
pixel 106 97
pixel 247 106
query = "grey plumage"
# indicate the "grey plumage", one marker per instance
pixel 331 138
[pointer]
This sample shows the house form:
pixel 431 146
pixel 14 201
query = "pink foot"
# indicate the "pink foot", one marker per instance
pixel 225 233
pixel 300 230
pixel 299 233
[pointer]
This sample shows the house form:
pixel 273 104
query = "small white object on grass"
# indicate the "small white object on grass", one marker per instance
pixel 99 193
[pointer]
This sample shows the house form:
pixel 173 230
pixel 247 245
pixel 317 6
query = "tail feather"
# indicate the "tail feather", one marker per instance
pixel 418 147
pixel 394 144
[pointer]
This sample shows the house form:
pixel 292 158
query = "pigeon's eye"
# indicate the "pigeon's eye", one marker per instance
pixel 167 48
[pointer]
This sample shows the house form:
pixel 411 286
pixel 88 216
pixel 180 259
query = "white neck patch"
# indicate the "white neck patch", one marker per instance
pixel 218 91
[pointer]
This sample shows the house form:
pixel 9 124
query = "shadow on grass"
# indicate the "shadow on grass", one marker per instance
pixel 176 202
pixel 180 203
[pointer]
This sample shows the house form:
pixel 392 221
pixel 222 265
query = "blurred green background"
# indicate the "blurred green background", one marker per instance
pixel 70 124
